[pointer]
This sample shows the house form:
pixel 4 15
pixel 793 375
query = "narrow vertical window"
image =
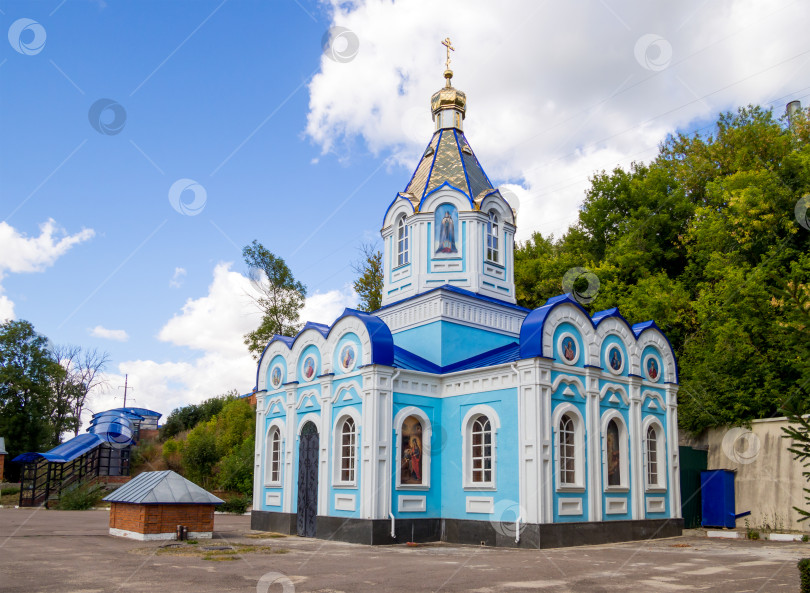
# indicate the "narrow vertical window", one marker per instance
pixel 273 470
pixel 652 456
pixel 614 455
pixel 348 439
pixel 481 454
pixel 402 242
pixel 567 451
pixel 492 237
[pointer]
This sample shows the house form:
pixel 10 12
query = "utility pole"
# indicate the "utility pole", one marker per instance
pixel 126 381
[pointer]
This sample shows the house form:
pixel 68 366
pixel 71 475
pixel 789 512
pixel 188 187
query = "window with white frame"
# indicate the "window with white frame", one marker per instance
pixel 481 464
pixel 402 242
pixel 614 456
pixel 492 237
pixel 652 438
pixel 348 451
pixel 568 450
pixel 273 460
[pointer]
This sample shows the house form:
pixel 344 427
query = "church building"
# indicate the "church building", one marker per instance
pixel 453 414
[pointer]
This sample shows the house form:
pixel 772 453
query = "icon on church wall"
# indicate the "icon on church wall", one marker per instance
pixel 309 367
pixel 348 355
pixel 651 368
pixel 411 447
pixel 615 359
pixel 568 348
pixel 446 225
pixel 275 377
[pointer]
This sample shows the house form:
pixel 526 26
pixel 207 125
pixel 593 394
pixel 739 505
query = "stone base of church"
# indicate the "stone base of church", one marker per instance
pixel 462 531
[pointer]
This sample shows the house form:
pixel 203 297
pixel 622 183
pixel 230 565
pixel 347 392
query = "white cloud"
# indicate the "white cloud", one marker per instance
pixel 556 91
pixel 22 254
pixel 119 335
pixel 325 307
pixel 213 327
pixel 177 278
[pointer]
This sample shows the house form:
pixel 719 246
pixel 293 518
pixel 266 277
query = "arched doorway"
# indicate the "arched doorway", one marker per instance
pixel 307 480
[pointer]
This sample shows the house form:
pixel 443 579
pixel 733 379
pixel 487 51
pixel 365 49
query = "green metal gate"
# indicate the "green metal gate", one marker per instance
pixel 693 461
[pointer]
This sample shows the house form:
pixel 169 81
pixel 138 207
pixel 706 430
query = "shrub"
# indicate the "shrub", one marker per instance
pixel 81 498
pixel 10 490
pixel 235 504
pixel 804 575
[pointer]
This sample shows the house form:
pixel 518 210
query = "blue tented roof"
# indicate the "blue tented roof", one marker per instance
pixel 65 452
pixel 164 487
pixel 407 360
pixel 136 411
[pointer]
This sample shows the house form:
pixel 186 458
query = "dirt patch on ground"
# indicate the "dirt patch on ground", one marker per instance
pixel 207 551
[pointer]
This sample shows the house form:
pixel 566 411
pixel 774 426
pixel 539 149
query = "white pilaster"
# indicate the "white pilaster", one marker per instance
pixel 673 454
pixel 325 446
pixel 594 449
pixel 529 437
pixel 290 452
pixel 258 500
pixel 636 457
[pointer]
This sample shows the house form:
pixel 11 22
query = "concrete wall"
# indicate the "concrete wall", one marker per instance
pixel 768 481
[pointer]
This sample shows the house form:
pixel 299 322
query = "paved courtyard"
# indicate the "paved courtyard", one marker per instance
pixel 70 551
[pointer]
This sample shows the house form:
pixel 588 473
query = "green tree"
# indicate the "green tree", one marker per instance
pixel 369 282
pixel 699 239
pixel 27 371
pixel 281 297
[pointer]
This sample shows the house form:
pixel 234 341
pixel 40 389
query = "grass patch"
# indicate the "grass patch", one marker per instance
pixel 198 550
pixel 8 490
pixel 80 498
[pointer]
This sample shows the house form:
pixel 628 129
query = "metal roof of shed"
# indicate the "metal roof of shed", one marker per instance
pixel 3 446
pixel 163 487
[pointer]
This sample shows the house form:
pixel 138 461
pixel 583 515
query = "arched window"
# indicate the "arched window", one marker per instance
pixel 613 454
pixel 272 472
pixel 411 452
pixel 481 454
pixel 568 450
pixel 492 237
pixel 348 443
pixel 402 242
pixel 652 444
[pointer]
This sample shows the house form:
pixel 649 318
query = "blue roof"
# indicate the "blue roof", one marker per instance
pixel 68 451
pixel 137 411
pixel 407 360
pixel 382 342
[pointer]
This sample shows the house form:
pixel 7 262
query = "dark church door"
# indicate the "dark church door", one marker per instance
pixel 308 480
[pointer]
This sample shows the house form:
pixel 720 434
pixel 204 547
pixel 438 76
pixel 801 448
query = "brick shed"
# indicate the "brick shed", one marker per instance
pixel 153 504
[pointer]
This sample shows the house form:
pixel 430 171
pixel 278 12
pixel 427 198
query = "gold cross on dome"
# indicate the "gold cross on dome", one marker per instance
pixel 450 48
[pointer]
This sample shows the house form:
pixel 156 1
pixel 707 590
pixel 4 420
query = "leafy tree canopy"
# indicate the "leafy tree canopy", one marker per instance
pixel 281 297
pixel 704 240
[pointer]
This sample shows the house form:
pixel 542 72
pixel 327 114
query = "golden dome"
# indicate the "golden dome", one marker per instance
pixel 448 97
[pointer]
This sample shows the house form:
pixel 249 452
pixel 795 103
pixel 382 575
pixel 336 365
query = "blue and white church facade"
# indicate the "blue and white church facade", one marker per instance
pixel 452 413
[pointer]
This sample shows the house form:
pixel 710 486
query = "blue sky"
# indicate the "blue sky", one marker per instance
pixel 304 152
